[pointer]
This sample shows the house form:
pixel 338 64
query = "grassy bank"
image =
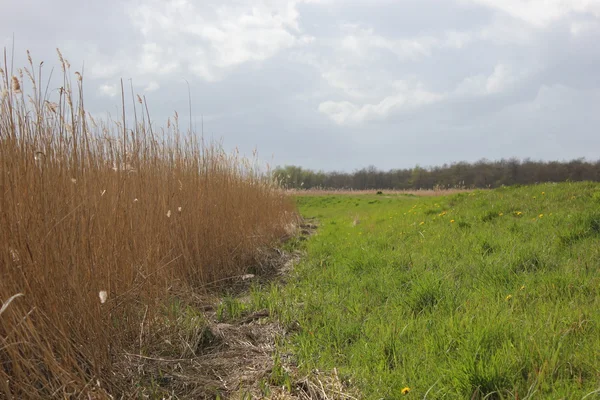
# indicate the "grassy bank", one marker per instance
pixel 490 294
pixel 103 226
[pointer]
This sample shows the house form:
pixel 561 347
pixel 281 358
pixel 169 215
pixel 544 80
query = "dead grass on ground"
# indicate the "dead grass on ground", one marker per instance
pixel 207 357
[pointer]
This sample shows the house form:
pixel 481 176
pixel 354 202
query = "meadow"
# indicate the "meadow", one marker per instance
pixel 111 232
pixel 483 295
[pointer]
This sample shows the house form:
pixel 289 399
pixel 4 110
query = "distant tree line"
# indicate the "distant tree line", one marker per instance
pixel 481 174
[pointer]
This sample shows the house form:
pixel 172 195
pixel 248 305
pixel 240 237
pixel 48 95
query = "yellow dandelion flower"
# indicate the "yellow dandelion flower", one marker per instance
pixel 518 213
pixel 523 287
pixel 500 214
pixel 540 216
pixel 543 193
pixel 451 221
pixel 405 390
pixel 422 223
pixel 508 297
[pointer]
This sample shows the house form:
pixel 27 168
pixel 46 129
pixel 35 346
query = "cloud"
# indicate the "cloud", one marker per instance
pixel 345 80
pixel 363 41
pixel 542 12
pixel 212 38
pixel 361 65
pixel 407 97
pixel 108 90
pixel 585 27
pixel 506 31
pixel 156 60
pixel 101 70
pixel 410 97
pixel 152 86
pixel 500 80
pixel 554 98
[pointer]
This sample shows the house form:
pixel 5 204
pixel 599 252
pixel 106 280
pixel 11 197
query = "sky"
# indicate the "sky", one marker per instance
pixel 335 84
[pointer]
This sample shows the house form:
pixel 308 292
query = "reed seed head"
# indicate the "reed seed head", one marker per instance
pixel 16 86
pixel 51 106
pixel 103 296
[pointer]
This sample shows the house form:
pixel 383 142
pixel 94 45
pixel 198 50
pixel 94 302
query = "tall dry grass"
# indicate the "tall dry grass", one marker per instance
pixel 100 223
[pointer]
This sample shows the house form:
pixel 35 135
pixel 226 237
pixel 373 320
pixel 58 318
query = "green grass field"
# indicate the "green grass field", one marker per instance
pixel 488 294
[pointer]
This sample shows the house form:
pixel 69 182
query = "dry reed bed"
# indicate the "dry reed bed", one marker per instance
pixel 101 222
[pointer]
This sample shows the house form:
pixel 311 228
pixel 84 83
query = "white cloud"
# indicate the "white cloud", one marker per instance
pixel 542 12
pixel 354 70
pixel 212 39
pixel 580 28
pixel 99 70
pixel 555 98
pixel 155 60
pixel 340 112
pixel 500 80
pixel 108 90
pixel 362 41
pixel 457 40
pixel 345 80
pixel 506 31
pixel 406 97
pixel 152 86
pixel 356 64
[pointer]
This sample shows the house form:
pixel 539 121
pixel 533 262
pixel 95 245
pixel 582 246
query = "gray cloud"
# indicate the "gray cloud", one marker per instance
pixel 340 85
